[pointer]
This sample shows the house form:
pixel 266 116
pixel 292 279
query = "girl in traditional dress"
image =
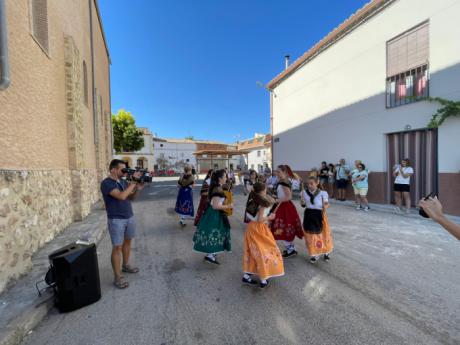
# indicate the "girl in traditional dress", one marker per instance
pixel 184 203
pixel 261 255
pixel 212 235
pixel 318 237
pixel 286 225
pixel 204 202
pixel 248 186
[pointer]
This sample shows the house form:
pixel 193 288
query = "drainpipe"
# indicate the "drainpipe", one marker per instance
pixel 4 66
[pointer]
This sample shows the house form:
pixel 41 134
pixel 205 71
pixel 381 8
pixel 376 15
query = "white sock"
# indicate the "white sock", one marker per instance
pixel 247 276
pixel 211 256
pixel 263 281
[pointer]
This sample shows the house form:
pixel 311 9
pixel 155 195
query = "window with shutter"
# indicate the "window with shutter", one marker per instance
pixel 39 9
pixel 407 66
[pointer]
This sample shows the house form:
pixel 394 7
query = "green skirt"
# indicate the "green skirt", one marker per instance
pixel 212 235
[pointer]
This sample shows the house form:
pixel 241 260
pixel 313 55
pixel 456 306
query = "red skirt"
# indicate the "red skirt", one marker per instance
pixel 286 225
pixel 201 208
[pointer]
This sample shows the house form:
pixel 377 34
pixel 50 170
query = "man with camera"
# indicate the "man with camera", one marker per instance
pixel 118 194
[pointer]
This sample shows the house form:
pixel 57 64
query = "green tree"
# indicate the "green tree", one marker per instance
pixel 126 136
pixel 190 137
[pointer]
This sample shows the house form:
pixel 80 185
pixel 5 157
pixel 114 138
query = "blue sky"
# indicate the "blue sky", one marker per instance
pixel 189 67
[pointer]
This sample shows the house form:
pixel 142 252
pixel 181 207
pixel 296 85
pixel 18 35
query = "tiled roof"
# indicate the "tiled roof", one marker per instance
pixel 352 22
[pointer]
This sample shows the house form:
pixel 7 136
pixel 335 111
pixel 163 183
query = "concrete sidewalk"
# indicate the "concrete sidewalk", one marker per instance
pixel 21 309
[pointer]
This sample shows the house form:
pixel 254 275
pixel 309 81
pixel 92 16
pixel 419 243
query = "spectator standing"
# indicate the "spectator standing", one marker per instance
pixel 342 173
pixel 331 180
pixel 359 179
pixel 402 173
pixel 323 176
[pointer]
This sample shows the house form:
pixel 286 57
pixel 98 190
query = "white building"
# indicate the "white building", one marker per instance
pixel 143 158
pixel 357 94
pixel 259 156
pixel 173 153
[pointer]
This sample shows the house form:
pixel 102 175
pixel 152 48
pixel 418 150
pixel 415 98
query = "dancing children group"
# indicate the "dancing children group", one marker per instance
pixel 271 216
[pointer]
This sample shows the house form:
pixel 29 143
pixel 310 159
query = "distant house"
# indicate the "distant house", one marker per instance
pixel 259 157
pixel 144 158
pixel 359 94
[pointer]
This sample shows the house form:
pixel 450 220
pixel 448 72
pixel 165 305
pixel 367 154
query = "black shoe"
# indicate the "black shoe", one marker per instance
pixel 287 254
pixel 313 259
pixel 263 285
pixel 326 257
pixel 211 261
pixel 249 281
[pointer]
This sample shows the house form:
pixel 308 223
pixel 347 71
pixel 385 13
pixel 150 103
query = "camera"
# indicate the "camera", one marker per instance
pixel 421 211
pixel 145 177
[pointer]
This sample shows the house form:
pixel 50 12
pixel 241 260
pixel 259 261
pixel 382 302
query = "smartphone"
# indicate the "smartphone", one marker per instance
pixel 421 211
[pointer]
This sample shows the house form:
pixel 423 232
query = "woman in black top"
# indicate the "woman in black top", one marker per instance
pixel 323 176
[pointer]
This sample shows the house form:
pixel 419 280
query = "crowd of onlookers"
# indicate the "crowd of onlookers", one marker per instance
pixel 335 178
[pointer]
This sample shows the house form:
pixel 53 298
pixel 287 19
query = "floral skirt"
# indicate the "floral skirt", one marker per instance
pixel 261 255
pixel 184 202
pixel 286 225
pixel 213 233
pixel 322 243
pixel 204 203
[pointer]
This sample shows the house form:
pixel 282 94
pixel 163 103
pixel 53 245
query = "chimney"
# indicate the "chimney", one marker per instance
pixel 286 61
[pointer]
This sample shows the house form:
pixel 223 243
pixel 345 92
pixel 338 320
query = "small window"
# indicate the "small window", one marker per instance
pixel 85 84
pixel 140 163
pixel 162 155
pixel 161 145
pixel 407 67
pixel 258 153
pixel 39 16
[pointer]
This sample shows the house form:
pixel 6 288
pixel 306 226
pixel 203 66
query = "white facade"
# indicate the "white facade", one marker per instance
pixel 334 106
pixel 143 158
pixel 173 153
pixel 259 156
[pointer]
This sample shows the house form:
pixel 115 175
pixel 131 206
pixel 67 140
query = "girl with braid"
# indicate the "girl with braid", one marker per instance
pixel 261 255
pixel 286 225
pixel 212 235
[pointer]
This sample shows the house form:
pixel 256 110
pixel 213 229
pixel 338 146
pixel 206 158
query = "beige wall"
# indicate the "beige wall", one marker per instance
pixel 51 166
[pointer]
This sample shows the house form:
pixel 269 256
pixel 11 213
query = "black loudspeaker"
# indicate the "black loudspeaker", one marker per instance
pixel 76 274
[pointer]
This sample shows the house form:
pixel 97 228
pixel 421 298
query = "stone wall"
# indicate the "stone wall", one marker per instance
pixel 34 207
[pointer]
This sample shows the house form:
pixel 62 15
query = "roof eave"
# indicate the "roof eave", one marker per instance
pixel 354 21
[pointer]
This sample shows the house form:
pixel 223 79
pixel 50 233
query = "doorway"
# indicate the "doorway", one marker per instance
pixel 421 147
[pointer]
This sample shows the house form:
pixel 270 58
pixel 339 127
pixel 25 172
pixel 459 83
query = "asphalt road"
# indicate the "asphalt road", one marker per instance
pixel 392 280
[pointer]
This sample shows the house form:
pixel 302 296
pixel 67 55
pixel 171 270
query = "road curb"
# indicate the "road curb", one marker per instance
pixel 20 326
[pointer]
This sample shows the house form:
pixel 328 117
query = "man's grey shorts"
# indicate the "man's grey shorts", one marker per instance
pixel 121 229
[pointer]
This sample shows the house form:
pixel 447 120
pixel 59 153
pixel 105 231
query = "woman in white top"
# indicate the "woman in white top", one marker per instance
pixel 402 174
pixel 286 225
pixel 317 233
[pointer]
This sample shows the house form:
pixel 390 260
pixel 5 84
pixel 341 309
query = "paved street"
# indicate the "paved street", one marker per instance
pixel 392 279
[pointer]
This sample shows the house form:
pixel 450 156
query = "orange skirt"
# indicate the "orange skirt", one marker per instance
pixel 318 244
pixel 261 255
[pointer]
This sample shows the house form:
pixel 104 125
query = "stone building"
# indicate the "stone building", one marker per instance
pixel 55 113
pixel 360 94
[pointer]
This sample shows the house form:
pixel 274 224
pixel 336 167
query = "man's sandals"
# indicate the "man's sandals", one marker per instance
pixel 129 269
pixel 120 283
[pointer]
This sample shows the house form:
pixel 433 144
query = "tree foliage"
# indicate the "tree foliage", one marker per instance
pixel 126 136
pixel 448 109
